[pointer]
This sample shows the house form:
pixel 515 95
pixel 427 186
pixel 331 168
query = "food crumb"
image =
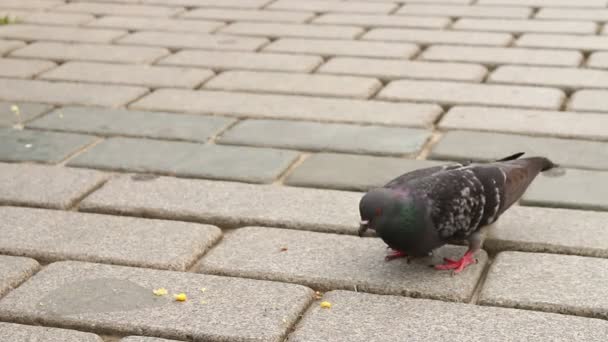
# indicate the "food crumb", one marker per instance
pixel 325 305
pixel 180 297
pixel 160 292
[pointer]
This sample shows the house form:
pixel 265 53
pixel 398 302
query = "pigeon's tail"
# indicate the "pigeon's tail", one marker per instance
pixel 544 163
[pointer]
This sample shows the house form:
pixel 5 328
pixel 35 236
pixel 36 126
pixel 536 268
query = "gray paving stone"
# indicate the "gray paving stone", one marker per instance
pixel 484 146
pixel 248 15
pixel 567 78
pixel 49 235
pixel 119 300
pixel 37 146
pixel 120 9
pixel 427 37
pixel 23 68
pixel 54 18
pixel 138 75
pixel 156 125
pixel 328 137
pixel 14 271
pixel 359 317
pixel 577 189
pixel 563 41
pixel 547 3
pixel 589 100
pixel 339 262
pixel 355 48
pixel 290 107
pixel 27 333
pixel 145 339
pixel 461 93
pixel 525 25
pixel 211 3
pixel 351 172
pixel 330 6
pixel 598 60
pixel 246 164
pixel 228 60
pixel 276 30
pixel 45 186
pixel 440 8
pixel 9 45
pixel 180 40
pixel 59 33
pixel 68 93
pixel 25 112
pixel 91 52
pixel 529 122
pixel 156 24
pixel 214 202
pixel 596 14
pixel 520 280
pixel 31 4
pixel 373 20
pixel 533 229
pixel 295 84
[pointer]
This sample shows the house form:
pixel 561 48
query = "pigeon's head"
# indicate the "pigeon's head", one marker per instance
pixel 382 207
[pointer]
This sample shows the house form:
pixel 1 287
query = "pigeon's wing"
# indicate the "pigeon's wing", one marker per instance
pixel 402 181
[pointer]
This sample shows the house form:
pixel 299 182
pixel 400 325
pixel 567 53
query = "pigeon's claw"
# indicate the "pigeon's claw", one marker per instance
pixel 395 255
pixel 457 265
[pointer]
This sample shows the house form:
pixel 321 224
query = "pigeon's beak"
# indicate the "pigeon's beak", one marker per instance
pixel 363 225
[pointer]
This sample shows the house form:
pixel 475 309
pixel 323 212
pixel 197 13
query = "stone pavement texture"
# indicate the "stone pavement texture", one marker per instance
pixel 220 149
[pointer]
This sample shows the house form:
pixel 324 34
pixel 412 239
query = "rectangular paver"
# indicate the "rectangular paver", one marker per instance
pixel 547 3
pixel 280 255
pixel 598 60
pixel 156 24
pixel 356 48
pixel 211 3
pixel 371 20
pixel 563 41
pixel 563 231
pixel 14 271
pixel 68 92
pixel 367 317
pixel 351 172
pixel 576 189
pixel 10 67
pixel 119 300
pixel 454 93
pixel 439 37
pixel 91 52
pixel 37 146
pixel 138 75
pixel 245 164
pixel 45 186
pixel 290 107
pixel 332 6
pixel 31 4
pixel 18 113
pixel 441 8
pixel 49 235
pixel 56 18
pixel 567 78
pixel 179 40
pixel 7 46
pixel 275 30
pixel 214 202
pixel 397 69
pixel 484 146
pixel 589 100
pixel 524 25
pixel 596 14
pixel 109 122
pixel 576 283
pixel 121 9
pixel 530 122
pixel 248 15
pixel 144 339
pixel 59 33
pixel 295 84
pixel 27 333
pixel 502 55
pixel 228 60
pixel 328 137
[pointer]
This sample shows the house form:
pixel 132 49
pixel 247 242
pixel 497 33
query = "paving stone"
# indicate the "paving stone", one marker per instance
pixel 54 18
pixel 290 107
pixel 211 3
pixel 483 146
pixel 119 300
pixel 275 30
pixel 256 252
pixel 156 125
pixel 245 164
pixel 26 333
pixel 577 283
pixel 225 60
pixel 396 69
pixel 500 55
pixel 465 11
pixel 295 84
pixel 120 9
pixel 248 15
pixel 439 37
pixel 530 229
pixel 563 41
pixel 546 3
pixel 598 60
pixel 31 4
pixel 14 271
pixel 179 40
pixel 595 14
pixel 145 339
pixel 157 24
pixel 455 93
pixel 49 235
pixel 328 137
pixel 591 100
pixel 9 45
pixel 214 202
pixel 459 2
pixel 567 78
pixel 577 189
pixel 139 75
pixel 26 112
pixel 365 317
pixel 523 25
pixel 356 48
pixel 351 172
pixel 330 6
pixel 529 122
pixel 68 92
pixel 37 146
pixel 23 68
pixel 91 52
pixel 45 186
pixel 59 33
pixel 367 20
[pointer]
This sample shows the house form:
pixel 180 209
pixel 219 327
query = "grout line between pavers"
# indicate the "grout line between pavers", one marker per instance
pixel 289 170
pixel 481 282
pixel 83 149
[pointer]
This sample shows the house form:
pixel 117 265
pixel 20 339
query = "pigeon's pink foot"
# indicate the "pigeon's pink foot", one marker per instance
pixel 395 255
pixel 458 265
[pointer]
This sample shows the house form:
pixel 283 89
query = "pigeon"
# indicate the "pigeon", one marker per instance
pixel 424 209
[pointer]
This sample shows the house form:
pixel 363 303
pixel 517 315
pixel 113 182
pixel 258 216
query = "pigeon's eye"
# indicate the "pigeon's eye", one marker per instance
pixel 378 211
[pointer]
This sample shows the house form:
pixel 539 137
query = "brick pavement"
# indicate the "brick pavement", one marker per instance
pixel 220 148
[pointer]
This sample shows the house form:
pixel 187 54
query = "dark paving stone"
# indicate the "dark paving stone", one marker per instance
pixel 38 146
pixel 26 112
